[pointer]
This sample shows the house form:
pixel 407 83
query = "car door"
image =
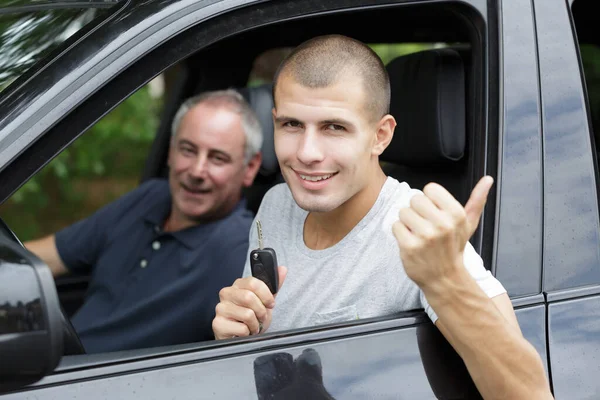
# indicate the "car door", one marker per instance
pixel 29 33
pixel 397 356
pixel 571 223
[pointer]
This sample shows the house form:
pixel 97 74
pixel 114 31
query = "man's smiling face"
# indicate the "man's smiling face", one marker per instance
pixel 207 167
pixel 324 141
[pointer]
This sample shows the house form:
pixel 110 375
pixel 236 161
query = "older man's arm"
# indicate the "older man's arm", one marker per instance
pixel 45 249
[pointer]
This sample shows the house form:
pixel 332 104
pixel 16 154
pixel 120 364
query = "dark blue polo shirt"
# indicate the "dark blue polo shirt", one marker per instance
pixel 148 287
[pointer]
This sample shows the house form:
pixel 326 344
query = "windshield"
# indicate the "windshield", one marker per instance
pixel 29 30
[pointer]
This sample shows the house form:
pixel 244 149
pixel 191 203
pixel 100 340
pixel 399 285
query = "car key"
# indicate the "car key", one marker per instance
pixel 263 263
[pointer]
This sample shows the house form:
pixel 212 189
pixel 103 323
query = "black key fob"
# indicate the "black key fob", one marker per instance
pixel 263 263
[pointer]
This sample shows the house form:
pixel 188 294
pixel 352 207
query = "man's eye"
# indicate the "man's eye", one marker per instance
pixel 187 151
pixel 292 124
pixel 335 127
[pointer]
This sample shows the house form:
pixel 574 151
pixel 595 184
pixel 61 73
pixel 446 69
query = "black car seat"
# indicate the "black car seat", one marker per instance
pixel 428 103
pixel 260 99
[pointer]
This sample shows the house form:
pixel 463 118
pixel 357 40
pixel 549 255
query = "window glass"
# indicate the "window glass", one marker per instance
pixel 29 31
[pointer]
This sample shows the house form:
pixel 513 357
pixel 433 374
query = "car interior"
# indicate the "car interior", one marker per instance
pixel 437 99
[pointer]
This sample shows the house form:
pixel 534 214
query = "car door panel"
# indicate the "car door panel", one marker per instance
pixel 532 321
pixel 571 221
pixel 574 337
pixel 403 363
pixel 411 362
pixel 518 258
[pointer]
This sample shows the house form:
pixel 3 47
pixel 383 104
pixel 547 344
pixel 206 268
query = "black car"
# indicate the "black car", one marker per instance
pixel 522 100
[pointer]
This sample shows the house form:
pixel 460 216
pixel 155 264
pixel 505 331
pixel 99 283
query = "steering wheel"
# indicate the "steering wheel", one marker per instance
pixel 71 343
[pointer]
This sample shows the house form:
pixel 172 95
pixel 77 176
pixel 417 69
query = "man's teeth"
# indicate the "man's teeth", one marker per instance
pixel 315 178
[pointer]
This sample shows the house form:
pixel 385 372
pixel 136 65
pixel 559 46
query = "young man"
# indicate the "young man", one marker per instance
pixel 159 255
pixel 359 244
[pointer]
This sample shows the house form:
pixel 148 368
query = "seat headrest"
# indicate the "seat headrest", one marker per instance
pixel 428 103
pixel 260 99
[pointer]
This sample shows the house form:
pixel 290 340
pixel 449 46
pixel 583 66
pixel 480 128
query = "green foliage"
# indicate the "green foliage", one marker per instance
pixel 115 147
pixel 387 52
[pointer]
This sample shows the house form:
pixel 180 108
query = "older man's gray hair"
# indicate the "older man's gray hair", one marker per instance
pixel 234 101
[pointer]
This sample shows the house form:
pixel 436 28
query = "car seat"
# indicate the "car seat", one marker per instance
pixel 428 103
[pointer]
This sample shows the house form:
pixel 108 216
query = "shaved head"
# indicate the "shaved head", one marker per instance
pixel 326 60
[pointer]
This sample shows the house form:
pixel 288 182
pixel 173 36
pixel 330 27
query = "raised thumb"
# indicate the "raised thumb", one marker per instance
pixel 476 202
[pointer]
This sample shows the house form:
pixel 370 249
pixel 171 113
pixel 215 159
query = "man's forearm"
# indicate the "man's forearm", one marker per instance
pixel 46 250
pixel 502 363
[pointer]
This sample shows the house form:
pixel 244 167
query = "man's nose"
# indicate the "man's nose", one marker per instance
pixel 309 151
pixel 200 167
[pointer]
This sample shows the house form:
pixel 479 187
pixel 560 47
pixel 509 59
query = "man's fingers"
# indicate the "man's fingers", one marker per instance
pixel 224 328
pixel 442 199
pixel 258 287
pixel 282 274
pixel 425 207
pixel 237 313
pixel 414 222
pixel 477 200
pixel 246 300
pixel 402 233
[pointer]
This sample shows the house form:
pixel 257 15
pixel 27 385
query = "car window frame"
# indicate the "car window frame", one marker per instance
pixel 127 80
pixel 570 266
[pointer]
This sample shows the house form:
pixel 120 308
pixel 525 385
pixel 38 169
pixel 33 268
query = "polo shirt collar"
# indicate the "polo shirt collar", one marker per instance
pixel 190 237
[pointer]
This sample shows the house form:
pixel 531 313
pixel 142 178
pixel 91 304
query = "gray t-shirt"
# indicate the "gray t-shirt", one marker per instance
pixel 361 276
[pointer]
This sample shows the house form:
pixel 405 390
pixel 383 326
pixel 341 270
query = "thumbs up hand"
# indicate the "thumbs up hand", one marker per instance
pixel 432 233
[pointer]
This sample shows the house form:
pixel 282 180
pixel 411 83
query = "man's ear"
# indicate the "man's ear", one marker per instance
pixel 384 134
pixel 252 169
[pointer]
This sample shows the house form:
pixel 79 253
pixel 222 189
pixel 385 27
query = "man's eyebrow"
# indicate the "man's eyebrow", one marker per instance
pixel 284 118
pixel 221 153
pixel 337 121
pixel 187 142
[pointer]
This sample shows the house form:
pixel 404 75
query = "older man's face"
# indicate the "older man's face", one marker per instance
pixel 207 166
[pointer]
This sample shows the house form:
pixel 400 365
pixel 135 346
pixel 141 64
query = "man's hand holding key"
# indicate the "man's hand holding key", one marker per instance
pixel 246 308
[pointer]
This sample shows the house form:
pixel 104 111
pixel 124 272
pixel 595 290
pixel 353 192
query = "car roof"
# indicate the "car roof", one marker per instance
pixel 37 5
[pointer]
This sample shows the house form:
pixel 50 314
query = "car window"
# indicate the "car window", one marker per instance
pixel 86 167
pixel 30 30
pixel 99 167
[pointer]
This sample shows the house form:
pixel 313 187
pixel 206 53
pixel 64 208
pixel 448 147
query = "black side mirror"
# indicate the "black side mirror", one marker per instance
pixel 31 335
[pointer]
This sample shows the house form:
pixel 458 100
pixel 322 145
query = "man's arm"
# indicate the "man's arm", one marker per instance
pixel 486 334
pixel 432 234
pixel 45 249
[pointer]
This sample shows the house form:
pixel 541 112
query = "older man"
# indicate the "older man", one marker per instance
pixel 159 255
